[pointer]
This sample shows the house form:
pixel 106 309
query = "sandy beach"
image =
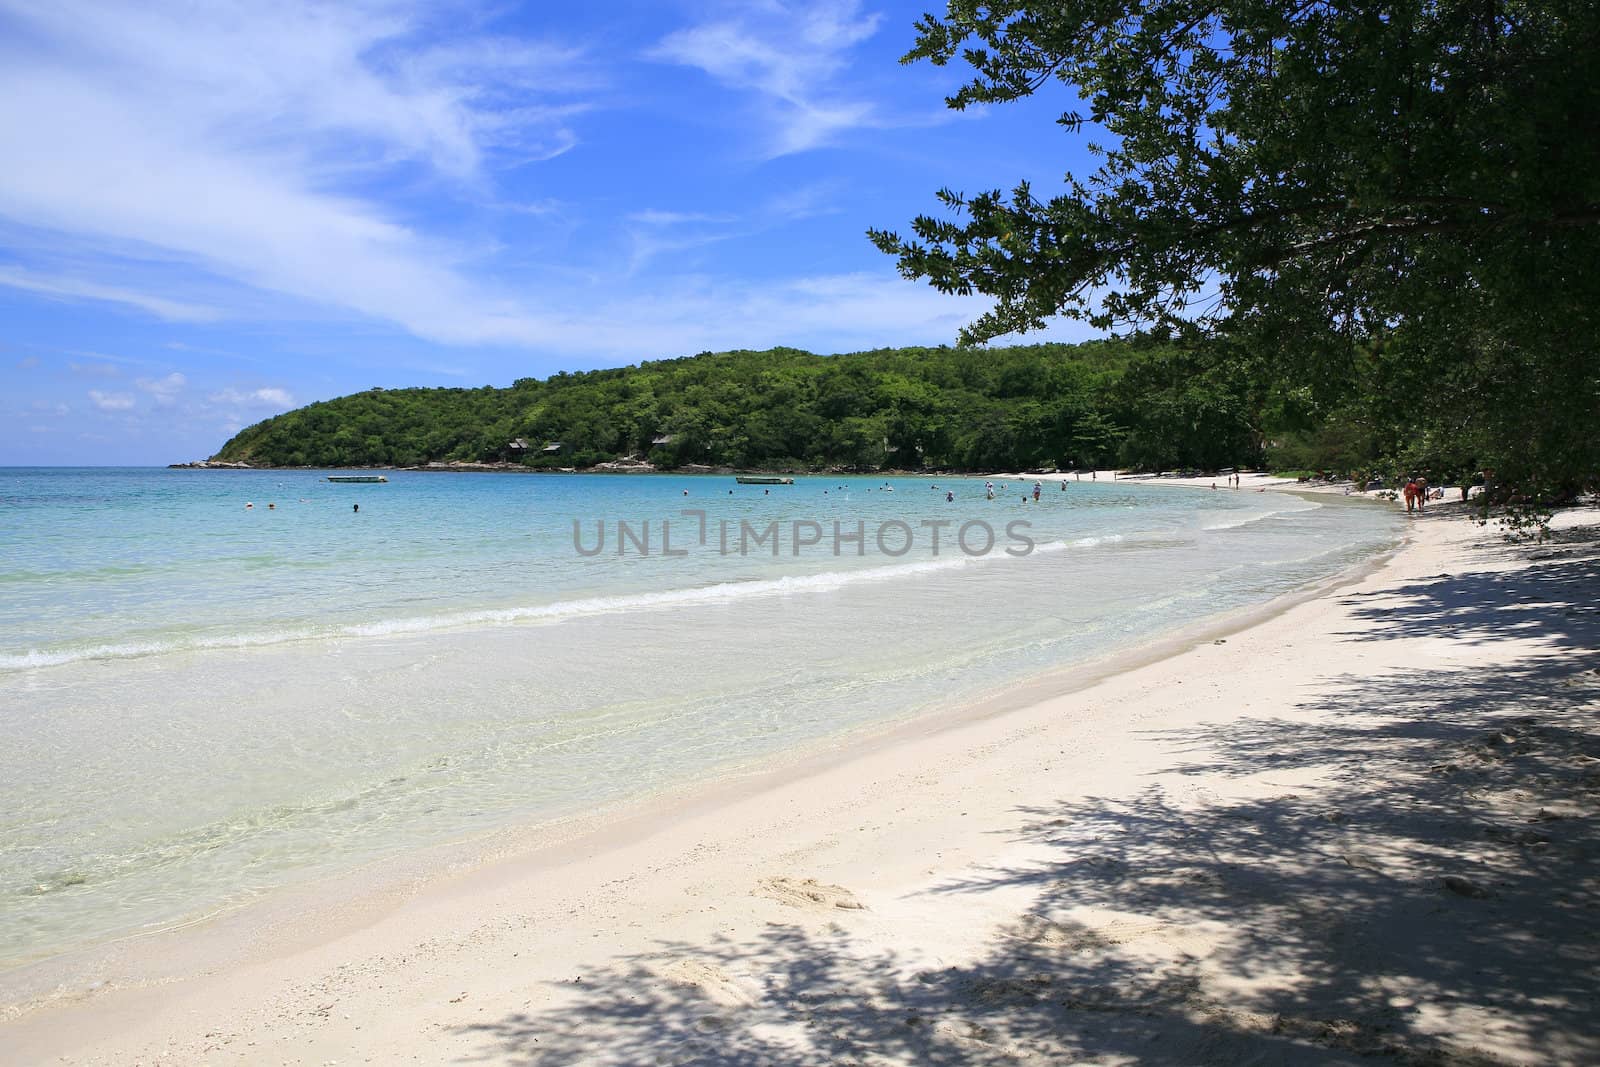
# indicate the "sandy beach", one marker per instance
pixel 1361 823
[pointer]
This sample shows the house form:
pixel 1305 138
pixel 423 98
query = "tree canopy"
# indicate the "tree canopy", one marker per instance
pixel 1018 408
pixel 1391 207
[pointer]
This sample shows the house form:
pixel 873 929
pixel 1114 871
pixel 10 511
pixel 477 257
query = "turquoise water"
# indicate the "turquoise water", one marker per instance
pixel 203 700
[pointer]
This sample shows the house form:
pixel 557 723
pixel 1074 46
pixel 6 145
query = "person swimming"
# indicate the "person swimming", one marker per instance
pixel 949 497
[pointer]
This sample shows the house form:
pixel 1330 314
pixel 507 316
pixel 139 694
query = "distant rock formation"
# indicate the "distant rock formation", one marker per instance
pixel 626 465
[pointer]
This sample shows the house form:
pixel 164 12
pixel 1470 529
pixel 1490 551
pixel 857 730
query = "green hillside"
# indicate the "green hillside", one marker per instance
pixel 1102 402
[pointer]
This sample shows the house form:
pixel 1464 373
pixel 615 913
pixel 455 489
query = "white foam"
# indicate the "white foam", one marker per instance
pixel 721 592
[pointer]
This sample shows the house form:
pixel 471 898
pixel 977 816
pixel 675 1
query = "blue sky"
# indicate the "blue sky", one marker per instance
pixel 211 213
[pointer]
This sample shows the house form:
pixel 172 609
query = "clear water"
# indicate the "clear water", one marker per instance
pixel 200 700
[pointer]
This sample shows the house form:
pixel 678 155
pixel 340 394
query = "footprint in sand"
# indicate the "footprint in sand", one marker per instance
pixel 1094 930
pixel 717 985
pixel 808 893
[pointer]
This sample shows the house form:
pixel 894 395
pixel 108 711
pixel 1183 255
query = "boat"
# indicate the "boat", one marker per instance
pixel 762 479
pixel 356 478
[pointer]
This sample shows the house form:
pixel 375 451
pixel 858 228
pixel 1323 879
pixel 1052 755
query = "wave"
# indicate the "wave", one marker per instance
pixel 718 593
pixel 1235 523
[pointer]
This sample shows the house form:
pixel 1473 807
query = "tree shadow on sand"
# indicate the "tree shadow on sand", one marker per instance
pixel 1440 881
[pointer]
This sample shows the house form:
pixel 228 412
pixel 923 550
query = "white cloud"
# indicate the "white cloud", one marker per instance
pixel 789 57
pixel 274 397
pixel 163 391
pixel 230 137
pixel 271 397
pixel 168 386
pixel 111 401
pixel 77 288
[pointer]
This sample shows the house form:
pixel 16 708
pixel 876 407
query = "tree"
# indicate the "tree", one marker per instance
pixel 1306 179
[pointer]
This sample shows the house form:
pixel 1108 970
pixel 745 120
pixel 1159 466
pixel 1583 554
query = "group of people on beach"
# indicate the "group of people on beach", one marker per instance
pixel 1415 494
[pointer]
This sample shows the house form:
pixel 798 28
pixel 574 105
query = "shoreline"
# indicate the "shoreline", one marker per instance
pixel 759 848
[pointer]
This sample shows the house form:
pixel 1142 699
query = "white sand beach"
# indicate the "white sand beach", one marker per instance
pixel 1363 823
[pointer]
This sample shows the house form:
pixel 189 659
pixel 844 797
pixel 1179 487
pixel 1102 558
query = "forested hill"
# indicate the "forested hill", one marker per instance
pixel 989 409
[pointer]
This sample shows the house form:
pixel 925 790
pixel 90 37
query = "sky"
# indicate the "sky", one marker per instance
pixel 212 213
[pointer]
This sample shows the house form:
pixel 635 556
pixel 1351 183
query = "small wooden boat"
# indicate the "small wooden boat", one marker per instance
pixel 356 478
pixel 762 479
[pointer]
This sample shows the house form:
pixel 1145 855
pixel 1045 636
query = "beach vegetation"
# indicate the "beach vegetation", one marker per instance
pixel 1388 210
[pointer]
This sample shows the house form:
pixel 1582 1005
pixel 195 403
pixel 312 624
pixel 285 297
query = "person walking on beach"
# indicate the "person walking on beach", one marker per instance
pixel 1410 493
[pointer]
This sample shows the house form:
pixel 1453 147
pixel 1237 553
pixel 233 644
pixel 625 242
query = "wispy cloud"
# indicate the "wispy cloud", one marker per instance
pixel 829 313
pixel 788 56
pixel 245 140
pixel 654 232
pixel 81 289
pixel 676 218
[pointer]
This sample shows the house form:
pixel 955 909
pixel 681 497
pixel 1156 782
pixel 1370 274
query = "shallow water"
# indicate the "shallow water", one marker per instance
pixel 202 701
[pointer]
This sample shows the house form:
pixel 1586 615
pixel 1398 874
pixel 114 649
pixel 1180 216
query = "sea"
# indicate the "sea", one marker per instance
pixel 215 684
